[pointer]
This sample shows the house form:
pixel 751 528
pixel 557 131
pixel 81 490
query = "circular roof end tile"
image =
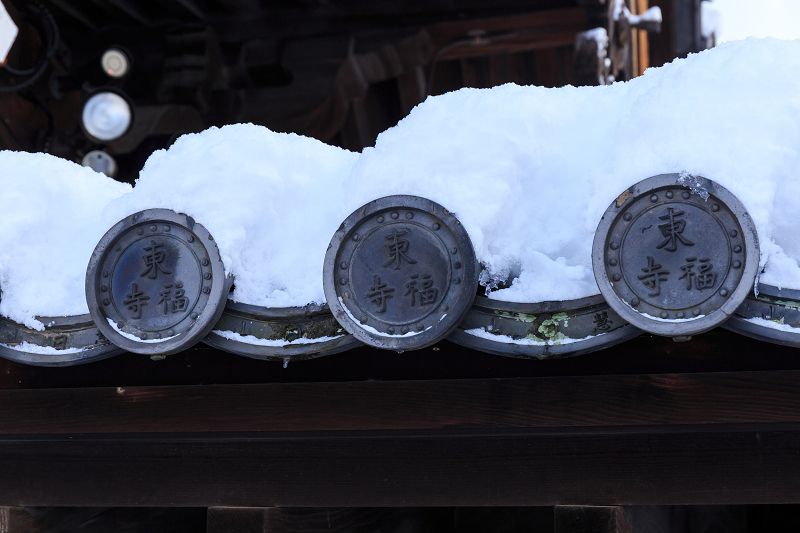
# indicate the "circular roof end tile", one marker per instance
pixel 400 273
pixel 675 255
pixel 156 283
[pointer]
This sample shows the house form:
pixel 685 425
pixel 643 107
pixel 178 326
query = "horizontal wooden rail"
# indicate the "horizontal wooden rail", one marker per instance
pixel 724 466
pixel 557 402
pixel 708 438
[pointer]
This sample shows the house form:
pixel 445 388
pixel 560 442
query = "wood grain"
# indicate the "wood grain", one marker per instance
pixel 721 466
pixel 561 402
pixel 590 519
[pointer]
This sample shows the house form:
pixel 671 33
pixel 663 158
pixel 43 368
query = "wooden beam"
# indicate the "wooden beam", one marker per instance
pixel 569 18
pixel 337 519
pixel 246 520
pixel 511 403
pixel 644 40
pixel 697 465
pixel 590 519
pixel 639 40
pixel 505 35
pixel 16 520
pixel 649 519
pixel 714 438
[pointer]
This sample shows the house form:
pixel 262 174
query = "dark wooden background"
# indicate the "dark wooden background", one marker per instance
pixel 711 421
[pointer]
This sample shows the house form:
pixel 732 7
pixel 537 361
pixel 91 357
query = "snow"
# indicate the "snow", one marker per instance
pixel 529 171
pixel 652 14
pixel 8 33
pixel 674 320
pixel 738 19
pixel 480 332
pixel 370 329
pixel 27 347
pixel 134 337
pixel 278 343
pixel 600 36
pixel 659 319
pixel 51 221
pixel 758 321
pixel 271 200
pixel 621 11
pixel 710 19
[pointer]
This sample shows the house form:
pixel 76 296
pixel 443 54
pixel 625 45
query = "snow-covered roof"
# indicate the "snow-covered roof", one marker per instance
pixel 528 171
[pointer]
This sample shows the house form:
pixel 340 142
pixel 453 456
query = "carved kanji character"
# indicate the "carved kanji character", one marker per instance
pixel 135 300
pixel 396 247
pixel 601 321
pixel 173 299
pixel 673 231
pixel 379 293
pixel 426 291
pixel 705 278
pixel 166 297
pixel 702 278
pixel 60 342
pixel 153 259
pixel 179 300
pixel 653 276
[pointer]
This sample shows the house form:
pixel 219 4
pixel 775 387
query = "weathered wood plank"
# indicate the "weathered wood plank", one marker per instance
pixel 699 466
pixel 99 519
pixel 245 520
pixel 590 519
pixel 559 402
pixel 330 519
pixel 568 19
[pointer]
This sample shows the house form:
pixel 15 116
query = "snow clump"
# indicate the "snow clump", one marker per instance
pixel 51 221
pixel 271 200
pixel 529 171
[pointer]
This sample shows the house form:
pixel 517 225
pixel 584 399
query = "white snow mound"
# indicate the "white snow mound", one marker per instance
pixel 50 221
pixel 529 171
pixel 271 200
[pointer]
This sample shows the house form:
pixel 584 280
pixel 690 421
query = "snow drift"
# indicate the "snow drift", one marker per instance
pixel 529 171
pixel 51 221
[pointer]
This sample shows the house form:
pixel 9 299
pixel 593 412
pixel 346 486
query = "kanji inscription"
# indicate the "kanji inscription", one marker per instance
pixel 674 252
pixel 153 260
pixel 680 265
pixel 135 300
pixel 601 322
pixel 400 273
pixel 173 298
pixel 378 293
pixel 421 290
pixel 698 274
pixel 157 280
pixel 653 276
pixel 396 247
pixel 406 270
pixel 673 230
pixel 156 283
